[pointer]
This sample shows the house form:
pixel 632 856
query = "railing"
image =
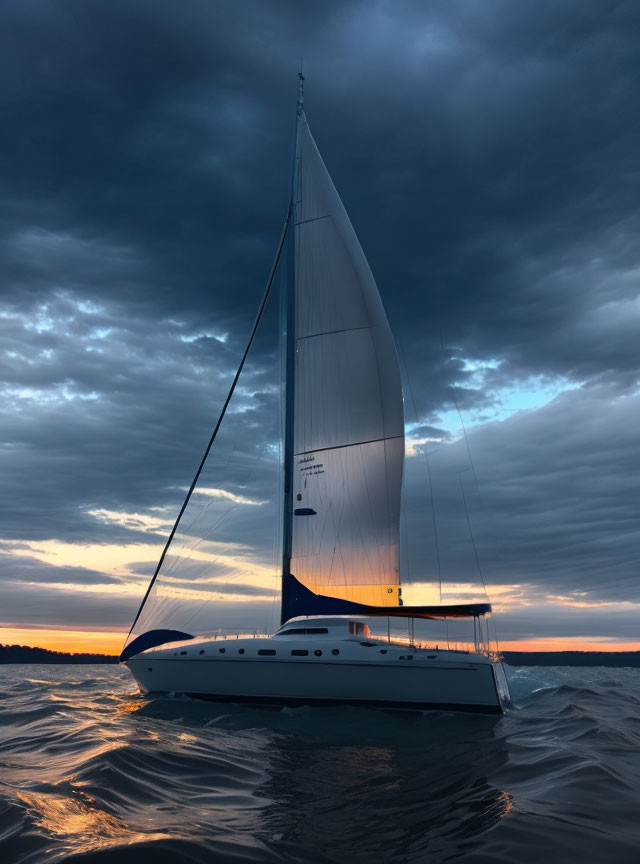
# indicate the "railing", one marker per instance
pixel 221 634
pixel 460 647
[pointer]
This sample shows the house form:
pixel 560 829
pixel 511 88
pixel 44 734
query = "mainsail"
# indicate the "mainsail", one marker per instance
pixel 348 420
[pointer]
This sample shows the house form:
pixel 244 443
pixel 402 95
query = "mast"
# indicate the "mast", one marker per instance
pixel 290 358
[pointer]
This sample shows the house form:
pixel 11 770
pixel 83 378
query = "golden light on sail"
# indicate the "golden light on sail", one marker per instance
pixel 370 595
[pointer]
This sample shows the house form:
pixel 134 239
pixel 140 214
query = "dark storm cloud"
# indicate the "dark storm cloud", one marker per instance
pixel 80 381
pixel 487 155
pixel 552 502
pixel 77 610
pixel 21 568
pixel 553 622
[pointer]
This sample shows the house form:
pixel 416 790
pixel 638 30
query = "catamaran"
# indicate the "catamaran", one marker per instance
pixel 341 488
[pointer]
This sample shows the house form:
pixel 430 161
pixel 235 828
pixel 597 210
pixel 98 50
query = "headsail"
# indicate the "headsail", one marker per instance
pixel 218 568
pixel 348 420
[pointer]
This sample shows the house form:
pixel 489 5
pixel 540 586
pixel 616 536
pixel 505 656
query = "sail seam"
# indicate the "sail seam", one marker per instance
pixel 353 444
pixel 331 332
pixel 313 219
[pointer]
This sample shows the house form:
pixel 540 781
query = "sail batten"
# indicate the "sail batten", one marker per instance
pixel 355 444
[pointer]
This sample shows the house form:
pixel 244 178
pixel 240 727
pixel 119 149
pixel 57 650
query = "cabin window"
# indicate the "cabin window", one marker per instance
pixel 241 651
pixel 383 650
pixel 201 651
pixel 266 652
pixel 149 668
pixel 318 652
pixel 299 652
pixel 183 652
pixel 368 644
pixel 298 497
pixel 335 651
pixel 302 631
pixel 222 650
pixel 358 628
pixel 431 657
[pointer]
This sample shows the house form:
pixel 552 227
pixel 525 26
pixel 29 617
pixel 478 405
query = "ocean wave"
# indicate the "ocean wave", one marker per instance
pixel 93 771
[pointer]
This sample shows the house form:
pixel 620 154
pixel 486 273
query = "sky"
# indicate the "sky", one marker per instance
pixel 487 155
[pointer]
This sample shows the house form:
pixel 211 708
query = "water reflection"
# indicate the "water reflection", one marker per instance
pixel 78 823
pixel 127 777
pixel 101 774
pixel 421 787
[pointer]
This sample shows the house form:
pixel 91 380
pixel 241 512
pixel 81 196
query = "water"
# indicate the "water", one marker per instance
pixel 92 771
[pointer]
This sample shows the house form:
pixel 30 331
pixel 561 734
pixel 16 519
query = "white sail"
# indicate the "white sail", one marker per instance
pixel 348 410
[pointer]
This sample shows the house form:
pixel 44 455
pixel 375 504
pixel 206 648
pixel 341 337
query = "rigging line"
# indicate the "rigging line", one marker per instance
pixel 475 480
pixel 473 542
pixel 208 534
pixel 277 542
pixel 473 472
pixel 466 441
pixel 429 478
pixel 435 524
pixel 261 308
pixel 464 429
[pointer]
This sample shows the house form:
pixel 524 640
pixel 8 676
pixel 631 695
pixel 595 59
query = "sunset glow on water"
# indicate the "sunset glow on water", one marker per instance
pixel 94 767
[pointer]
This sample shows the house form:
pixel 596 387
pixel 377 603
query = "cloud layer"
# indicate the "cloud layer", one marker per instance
pixel 488 159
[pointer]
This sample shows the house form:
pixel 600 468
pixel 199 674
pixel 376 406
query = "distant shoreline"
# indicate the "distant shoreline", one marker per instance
pixel 25 654
pixel 572 658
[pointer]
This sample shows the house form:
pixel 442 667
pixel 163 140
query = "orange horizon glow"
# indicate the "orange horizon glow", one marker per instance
pixel 111 642
pixel 568 644
pixel 70 641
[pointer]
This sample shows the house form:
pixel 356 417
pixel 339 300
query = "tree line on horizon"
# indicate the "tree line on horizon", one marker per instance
pixel 26 654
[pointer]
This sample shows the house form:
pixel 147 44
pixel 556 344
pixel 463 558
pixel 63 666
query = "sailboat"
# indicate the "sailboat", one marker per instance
pixel 342 477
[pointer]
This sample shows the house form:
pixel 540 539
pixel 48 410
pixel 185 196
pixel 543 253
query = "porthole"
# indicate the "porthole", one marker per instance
pixel 149 668
pixel 222 650
pixel 183 652
pixel 201 651
pixel 298 497
pixel 241 651
pixel 334 651
pixel 431 657
pixel 318 652
pixel 383 650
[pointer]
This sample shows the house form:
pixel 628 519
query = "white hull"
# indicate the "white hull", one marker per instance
pixel 372 673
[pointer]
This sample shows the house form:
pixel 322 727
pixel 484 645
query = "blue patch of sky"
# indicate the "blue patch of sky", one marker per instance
pixel 499 402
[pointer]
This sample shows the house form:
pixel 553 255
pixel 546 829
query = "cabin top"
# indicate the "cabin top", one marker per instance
pixel 342 626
